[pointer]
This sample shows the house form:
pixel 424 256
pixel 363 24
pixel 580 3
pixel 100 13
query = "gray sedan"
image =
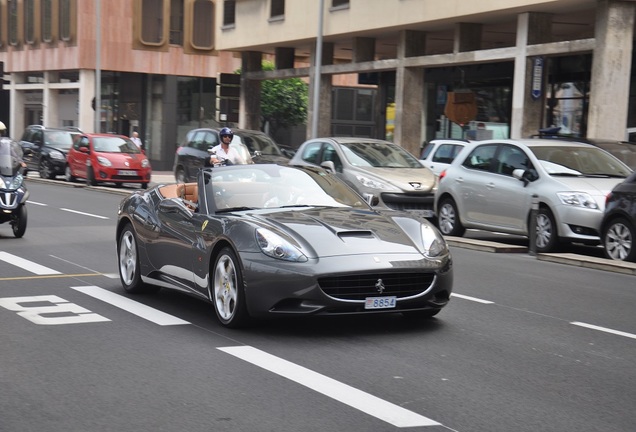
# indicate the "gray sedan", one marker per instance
pixel 382 172
pixel 490 186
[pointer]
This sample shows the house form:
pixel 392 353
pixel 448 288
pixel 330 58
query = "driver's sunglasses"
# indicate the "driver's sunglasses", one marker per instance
pixel 226 136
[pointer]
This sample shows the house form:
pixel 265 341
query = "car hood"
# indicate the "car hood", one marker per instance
pixel 593 185
pixel 406 179
pixel 124 160
pixel 325 232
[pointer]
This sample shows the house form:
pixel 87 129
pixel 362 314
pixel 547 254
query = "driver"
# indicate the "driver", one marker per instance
pixel 223 151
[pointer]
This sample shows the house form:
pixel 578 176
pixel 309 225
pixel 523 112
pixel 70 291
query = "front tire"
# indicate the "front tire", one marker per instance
pixel 547 236
pixel 227 290
pixel 46 170
pixel 19 224
pixel 448 219
pixel 618 240
pixel 129 268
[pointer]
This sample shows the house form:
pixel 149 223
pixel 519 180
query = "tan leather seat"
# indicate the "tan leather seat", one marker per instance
pixel 188 191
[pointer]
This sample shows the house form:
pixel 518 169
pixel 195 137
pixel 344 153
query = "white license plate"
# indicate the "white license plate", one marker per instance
pixel 127 173
pixel 423 213
pixel 380 302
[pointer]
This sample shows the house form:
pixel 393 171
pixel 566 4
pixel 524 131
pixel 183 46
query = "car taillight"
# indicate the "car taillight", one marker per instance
pixel 607 198
pixel 442 175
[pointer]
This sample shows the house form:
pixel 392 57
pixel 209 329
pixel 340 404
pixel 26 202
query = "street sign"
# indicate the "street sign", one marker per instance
pixel 537 78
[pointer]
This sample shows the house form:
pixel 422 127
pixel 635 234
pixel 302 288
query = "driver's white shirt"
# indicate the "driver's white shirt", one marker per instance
pixel 232 154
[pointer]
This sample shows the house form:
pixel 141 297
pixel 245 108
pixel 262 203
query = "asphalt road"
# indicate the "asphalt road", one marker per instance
pixel 526 344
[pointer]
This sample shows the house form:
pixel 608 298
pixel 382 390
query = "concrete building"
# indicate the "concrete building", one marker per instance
pixel 497 68
pixel 154 61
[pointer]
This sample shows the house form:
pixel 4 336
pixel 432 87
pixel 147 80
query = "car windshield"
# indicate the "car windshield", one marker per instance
pixel 257 142
pixel 379 154
pixel 579 161
pixel 258 186
pixel 114 145
pixel 62 140
pixel 10 156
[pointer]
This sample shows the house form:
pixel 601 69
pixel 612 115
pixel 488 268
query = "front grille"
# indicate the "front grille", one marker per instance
pixel 408 201
pixel 359 287
pixel 8 199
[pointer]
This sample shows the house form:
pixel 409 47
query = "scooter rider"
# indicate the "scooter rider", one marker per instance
pixel 14 148
pixel 223 151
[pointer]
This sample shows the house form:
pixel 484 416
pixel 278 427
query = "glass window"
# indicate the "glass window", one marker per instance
pixel 278 8
pixel 481 157
pixel 511 158
pixel 152 21
pixel 311 153
pixel 65 20
pixel 229 12
pixel 13 22
pixel 336 3
pixel 29 21
pixel 330 154
pixel 446 153
pixel 176 22
pixel 202 30
pixel 47 20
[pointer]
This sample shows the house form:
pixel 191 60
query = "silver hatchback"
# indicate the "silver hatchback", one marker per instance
pixel 490 186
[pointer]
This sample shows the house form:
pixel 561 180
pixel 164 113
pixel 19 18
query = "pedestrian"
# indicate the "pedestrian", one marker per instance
pixel 135 138
pixel 223 151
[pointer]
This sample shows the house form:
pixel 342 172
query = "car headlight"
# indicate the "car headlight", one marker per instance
pixel 145 163
pixel 103 161
pixel 434 244
pixel 372 183
pixel 14 183
pixel 578 199
pixel 277 247
pixel 54 154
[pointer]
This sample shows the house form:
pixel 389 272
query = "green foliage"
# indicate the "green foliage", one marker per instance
pixel 283 102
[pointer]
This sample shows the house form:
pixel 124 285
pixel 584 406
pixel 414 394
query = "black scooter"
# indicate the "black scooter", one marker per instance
pixel 13 192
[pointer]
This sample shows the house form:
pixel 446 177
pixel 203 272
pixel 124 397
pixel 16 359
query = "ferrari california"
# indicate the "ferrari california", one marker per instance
pixel 265 240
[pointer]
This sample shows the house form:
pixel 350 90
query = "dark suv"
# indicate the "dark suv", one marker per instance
pixel 45 149
pixel 192 154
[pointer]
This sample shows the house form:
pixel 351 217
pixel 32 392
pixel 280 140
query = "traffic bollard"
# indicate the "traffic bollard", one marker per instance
pixel 532 234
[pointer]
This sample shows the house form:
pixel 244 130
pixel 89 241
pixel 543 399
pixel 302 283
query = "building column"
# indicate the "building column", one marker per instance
pixel 50 104
pixel 409 93
pixel 17 103
pixel 527 112
pixel 324 105
pixel 611 69
pixel 250 103
pixel 86 95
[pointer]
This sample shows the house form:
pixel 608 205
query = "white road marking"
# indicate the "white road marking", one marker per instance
pixel 604 329
pixel 369 404
pixel 475 299
pixel 135 308
pixel 26 264
pixel 37 203
pixel 85 214
pixel 50 310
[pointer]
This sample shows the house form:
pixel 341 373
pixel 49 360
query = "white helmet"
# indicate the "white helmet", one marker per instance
pixel 2 127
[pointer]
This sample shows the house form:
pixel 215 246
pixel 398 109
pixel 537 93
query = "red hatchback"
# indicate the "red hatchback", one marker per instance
pixel 107 158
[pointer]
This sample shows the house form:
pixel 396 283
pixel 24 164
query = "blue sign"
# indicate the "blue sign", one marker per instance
pixel 537 78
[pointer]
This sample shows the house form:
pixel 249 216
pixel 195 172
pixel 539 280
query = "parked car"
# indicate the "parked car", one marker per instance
pixel 618 228
pixel 107 158
pixel 277 241
pixel 382 172
pixel 45 149
pixel 491 183
pixel 439 153
pixel 192 154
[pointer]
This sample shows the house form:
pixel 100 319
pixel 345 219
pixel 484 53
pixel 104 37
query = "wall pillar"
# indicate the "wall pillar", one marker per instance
pixel 324 105
pixel 86 120
pixel 532 28
pixel 611 69
pixel 409 93
pixel 250 103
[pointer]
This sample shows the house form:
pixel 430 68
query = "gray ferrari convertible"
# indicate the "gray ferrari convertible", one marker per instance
pixel 270 240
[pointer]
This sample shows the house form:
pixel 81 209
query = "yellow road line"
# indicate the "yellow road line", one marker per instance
pixel 51 276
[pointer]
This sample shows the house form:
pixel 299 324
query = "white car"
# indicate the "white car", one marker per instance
pixel 490 186
pixel 438 154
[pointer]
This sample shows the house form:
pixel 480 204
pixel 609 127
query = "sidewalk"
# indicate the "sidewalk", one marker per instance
pixel 162 177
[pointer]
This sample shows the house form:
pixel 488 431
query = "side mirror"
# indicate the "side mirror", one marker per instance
pixel 329 166
pixel 257 153
pixel 84 149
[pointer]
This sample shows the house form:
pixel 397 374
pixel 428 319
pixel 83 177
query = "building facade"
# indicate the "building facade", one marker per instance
pixel 112 66
pixel 446 68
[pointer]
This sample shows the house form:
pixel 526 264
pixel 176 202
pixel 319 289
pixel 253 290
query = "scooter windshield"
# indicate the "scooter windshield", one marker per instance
pixel 9 162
